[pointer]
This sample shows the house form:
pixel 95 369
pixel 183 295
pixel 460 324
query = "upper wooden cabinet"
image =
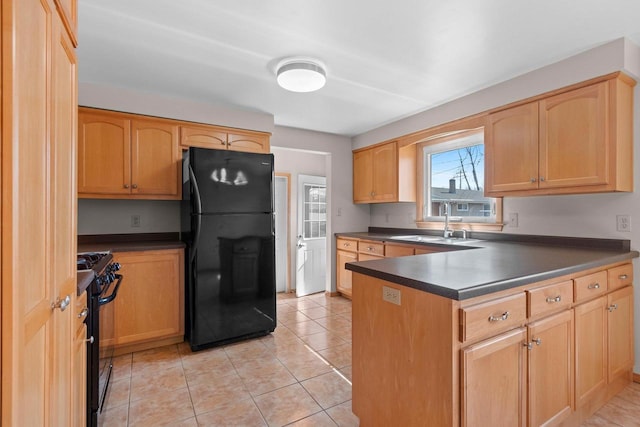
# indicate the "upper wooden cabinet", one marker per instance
pixel 578 141
pixel 127 156
pixel 221 138
pixel 384 173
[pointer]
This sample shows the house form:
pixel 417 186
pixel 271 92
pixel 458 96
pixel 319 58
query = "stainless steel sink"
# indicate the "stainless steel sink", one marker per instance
pixel 433 239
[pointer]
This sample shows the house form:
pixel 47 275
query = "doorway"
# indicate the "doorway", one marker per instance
pixel 311 242
pixel 282 200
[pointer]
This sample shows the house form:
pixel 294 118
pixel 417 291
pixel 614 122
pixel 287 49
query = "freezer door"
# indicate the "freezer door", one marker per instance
pixel 231 291
pixel 232 182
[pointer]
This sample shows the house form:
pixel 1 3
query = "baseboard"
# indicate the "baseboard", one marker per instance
pixel 332 294
pixel 132 348
pixel 636 378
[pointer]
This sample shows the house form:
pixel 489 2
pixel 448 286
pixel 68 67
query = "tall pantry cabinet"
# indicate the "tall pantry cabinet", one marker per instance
pixel 38 190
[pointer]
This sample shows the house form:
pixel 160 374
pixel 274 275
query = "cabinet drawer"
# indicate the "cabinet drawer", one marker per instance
pixel 547 299
pixel 367 257
pixel 393 251
pixel 492 317
pixel 368 247
pixel 346 245
pixel 620 276
pixel 592 285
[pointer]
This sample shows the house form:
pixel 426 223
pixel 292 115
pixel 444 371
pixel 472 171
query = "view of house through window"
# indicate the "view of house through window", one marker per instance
pixel 454 176
pixel 315 211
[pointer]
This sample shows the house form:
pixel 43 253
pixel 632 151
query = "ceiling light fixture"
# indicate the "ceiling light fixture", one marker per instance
pixel 301 74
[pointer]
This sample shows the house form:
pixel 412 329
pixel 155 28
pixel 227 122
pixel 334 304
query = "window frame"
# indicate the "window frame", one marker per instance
pixel 439 135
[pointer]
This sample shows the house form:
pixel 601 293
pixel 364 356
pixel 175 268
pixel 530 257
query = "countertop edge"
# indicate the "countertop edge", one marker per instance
pixel 491 287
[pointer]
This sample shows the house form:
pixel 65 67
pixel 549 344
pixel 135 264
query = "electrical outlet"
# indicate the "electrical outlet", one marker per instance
pixel 623 222
pixel 391 295
pixel 135 220
pixel 513 219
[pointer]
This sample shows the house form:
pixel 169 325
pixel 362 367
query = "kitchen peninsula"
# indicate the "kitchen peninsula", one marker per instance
pixel 522 330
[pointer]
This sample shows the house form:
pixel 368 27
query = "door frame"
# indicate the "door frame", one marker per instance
pixel 287 176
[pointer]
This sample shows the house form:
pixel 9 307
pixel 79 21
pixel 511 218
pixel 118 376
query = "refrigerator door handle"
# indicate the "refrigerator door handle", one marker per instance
pixel 198 214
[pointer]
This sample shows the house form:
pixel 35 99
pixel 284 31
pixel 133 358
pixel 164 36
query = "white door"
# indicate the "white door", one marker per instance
pixel 282 236
pixel 311 271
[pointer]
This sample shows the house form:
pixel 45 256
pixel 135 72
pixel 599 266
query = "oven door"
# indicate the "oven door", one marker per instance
pixel 107 336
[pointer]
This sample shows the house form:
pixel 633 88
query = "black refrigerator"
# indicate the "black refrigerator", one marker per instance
pixel 227 224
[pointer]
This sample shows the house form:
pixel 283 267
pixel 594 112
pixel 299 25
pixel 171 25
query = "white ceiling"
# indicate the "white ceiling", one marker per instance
pixel 385 59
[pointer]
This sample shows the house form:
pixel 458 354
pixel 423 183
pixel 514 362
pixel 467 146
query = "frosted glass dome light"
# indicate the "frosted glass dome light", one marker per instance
pixel 301 75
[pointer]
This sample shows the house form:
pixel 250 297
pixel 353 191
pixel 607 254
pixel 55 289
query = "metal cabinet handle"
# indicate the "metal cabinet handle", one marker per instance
pixel 538 341
pixel 528 345
pixel 533 180
pixel 134 186
pixel 623 277
pixel 62 304
pixel 504 316
pixel 126 186
pixel 612 307
pixel 542 179
pixel 369 248
pixel 552 300
pixel 90 340
pixel 83 313
pixel 594 286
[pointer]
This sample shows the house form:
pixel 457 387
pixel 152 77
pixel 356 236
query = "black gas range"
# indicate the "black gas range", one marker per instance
pixel 100 326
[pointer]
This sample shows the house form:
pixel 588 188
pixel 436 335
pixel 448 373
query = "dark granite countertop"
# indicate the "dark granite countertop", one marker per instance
pixel 84 280
pixel 487 266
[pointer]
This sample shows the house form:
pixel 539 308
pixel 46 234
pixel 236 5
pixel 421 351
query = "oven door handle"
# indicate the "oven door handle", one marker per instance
pixel 107 300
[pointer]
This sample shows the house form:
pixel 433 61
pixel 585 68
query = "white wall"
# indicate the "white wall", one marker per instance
pixel 295 162
pixel 336 150
pixel 589 215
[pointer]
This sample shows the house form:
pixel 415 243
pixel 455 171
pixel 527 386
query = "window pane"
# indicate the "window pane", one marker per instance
pixel 454 176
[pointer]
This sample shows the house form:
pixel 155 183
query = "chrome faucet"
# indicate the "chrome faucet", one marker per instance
pixel 447 232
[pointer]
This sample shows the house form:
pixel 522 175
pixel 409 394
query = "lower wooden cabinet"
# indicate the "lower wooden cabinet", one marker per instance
pixel 343 282
pixel 149 307
pixel 496 359
pixel 494 381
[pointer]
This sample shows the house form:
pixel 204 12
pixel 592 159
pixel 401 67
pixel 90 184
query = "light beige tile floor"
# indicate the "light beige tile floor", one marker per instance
pixel 298 376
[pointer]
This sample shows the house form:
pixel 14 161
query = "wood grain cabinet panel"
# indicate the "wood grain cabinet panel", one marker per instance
pixel 550 298
pixel 150 302
pixel 221 138
pixel 127 156
pixel 203 137
pixel 576 141
pixel 38 183
pixel 384 173
pixel 550 341
pixel 344 279
pixel 248 142
pixel 620 333
pixel 68 12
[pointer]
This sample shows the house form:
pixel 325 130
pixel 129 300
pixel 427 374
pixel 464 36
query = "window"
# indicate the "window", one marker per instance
pixel 452 175
pixel 315 211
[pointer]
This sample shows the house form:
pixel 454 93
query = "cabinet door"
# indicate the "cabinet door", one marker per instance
pixel 591 349
pixel 68 12
pixel 493 381
pixel 511 149
pixel 150 301
pixel 252 143
pixel 104 154
pixel 620 332
pixel 363 176
pixel 385 172
pixel 343 283
pixel 574 147
pixel 80 362
pixel 154 158
pixel 203 137
pixel 551 369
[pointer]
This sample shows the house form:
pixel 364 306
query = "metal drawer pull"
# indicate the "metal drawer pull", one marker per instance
pixel 528 345
pixel 538 341
pixel 504 316
pixel 369 248
pixel 551 300
pixel 83 313
pixel 613 307
pixel 62 304
pixel 594 286
pixel 90 340
pixel 623 277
